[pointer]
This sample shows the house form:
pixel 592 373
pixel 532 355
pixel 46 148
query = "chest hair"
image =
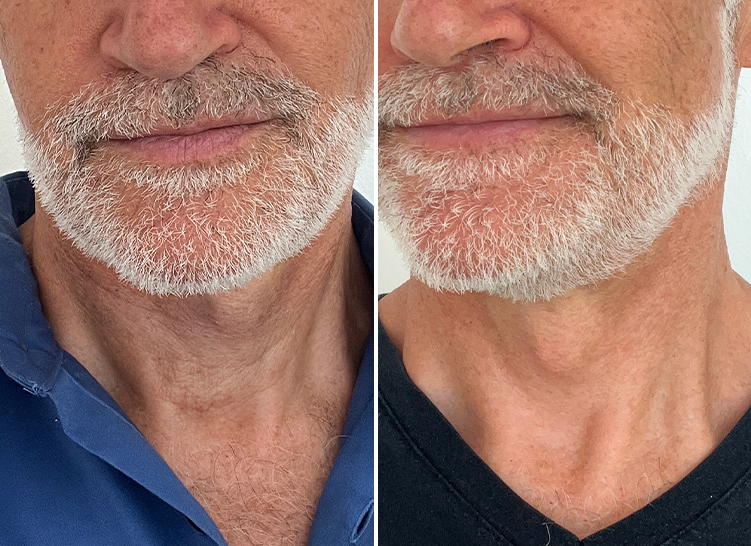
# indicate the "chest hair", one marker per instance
pixel 585 503
pixel 263 491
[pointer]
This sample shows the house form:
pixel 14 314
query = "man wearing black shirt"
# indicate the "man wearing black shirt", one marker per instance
pixel 570 362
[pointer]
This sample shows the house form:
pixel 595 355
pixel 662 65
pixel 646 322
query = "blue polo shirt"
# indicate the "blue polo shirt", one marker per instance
pixel 74 469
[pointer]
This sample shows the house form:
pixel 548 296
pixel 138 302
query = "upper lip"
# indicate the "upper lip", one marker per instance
pixel 195 128
pixel 472 118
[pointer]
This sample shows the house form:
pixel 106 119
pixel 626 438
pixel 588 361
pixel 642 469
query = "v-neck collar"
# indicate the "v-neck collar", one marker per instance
pixel 703 490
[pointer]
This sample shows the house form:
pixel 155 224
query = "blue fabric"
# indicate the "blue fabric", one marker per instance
pixel 74 470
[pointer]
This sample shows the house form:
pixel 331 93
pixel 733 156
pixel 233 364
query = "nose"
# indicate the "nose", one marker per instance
pixel 164 39
pixel 436 32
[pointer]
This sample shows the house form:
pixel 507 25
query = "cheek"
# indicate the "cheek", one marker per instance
pixel 354 53
pixel 330 50
pixel 47 53
pixel 664 52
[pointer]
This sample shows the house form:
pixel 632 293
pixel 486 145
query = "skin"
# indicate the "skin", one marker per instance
pixel 250 374
pixel 594 403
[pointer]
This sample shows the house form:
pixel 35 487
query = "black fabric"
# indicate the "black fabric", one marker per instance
pixel 433 489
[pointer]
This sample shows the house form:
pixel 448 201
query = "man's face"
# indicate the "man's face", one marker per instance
pixel 529 149
pixel 192 145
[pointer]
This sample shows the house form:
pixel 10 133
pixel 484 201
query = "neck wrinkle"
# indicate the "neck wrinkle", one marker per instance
pixel 642 367
pixel 260 351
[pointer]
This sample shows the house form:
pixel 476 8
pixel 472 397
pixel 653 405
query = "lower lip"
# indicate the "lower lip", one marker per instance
pixel 187 148
pixel 470 135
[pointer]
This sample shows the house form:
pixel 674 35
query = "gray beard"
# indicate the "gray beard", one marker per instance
pixel 199 228
pixel 534 224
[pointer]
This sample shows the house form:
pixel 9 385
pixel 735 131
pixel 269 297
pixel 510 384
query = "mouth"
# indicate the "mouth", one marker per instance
pixel 481 130
pixel 196 142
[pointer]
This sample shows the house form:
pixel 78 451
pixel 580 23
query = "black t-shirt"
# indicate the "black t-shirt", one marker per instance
pixel 433 489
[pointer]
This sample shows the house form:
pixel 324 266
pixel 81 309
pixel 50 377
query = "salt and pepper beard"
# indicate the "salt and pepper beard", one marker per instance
pixel 535 223
pixel 201 227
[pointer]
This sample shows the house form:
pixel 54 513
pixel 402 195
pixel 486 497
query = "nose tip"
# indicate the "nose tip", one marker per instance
pixel 437 32
pixel 165 39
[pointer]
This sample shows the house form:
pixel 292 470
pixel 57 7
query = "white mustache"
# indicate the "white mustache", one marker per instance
pixel 408 94
pixel 133 105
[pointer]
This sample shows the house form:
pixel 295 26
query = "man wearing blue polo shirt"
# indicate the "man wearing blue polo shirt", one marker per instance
pixel 185 274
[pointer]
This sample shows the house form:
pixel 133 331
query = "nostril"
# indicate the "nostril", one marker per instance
pixel 437 33
pixel 166 40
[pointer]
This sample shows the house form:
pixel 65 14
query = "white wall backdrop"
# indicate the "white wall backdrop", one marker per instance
pixel 10 149
pixel 737 207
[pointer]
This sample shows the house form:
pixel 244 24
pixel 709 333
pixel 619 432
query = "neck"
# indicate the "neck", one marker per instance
pixel 644 367
pixel 254 355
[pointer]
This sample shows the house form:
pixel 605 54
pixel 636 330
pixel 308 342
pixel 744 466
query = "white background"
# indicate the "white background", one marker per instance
pixel 737 208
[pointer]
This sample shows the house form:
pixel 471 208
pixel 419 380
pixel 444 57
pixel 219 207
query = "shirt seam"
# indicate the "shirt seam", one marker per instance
pixel 37 388
pixel 446 482
pixel 720 502
pixel 119 411
pixel 677 535
pixel 362 210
